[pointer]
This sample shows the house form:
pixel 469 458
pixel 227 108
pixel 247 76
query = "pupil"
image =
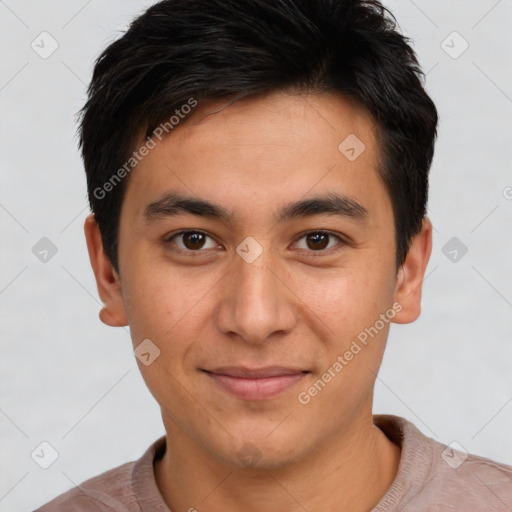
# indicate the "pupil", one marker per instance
pixel 194 240
pixel 320 240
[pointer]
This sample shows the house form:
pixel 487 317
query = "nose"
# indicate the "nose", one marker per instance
pixel 256 301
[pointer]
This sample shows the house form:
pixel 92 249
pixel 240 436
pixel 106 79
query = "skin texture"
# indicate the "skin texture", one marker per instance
pixel 253 156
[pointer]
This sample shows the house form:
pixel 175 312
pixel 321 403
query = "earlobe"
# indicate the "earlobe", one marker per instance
pixel 107 280
pixel 411 275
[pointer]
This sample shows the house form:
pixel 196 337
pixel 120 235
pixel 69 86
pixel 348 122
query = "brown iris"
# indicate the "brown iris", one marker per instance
pixel 317 240
pixel 193 240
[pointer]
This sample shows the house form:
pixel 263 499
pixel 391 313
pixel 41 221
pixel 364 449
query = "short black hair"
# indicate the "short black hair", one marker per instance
pixel 185 52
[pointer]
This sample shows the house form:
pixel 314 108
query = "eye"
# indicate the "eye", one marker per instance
pixel 192 241
pixel 195 241
pixel 318 241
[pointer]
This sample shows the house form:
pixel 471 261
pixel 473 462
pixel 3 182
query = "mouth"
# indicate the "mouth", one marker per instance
pixel 255 384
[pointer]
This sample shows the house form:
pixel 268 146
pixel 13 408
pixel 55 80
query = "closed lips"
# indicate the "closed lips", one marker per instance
pixel 260 373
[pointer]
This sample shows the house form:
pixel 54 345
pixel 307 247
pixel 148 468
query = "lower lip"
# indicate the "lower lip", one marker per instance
pixel 256 389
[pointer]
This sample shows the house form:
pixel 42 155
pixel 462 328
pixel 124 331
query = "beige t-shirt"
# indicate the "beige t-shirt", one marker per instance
pixel 431 477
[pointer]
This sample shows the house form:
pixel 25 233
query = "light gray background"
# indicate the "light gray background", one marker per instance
pixel 71 381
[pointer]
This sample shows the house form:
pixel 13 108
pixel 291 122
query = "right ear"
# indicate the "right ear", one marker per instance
pixel 107 279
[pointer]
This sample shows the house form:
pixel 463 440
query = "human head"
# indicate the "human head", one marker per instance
pixel 183 53
pixel 264 165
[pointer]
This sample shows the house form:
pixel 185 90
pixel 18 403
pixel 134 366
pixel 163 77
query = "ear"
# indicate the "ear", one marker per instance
pixel 411 275
pixel 107 279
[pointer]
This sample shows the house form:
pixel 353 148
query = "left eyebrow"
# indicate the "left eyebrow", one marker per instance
pixel 331 203
pixel 174 203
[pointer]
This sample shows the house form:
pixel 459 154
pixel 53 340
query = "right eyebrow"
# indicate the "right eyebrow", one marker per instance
pixel 174 203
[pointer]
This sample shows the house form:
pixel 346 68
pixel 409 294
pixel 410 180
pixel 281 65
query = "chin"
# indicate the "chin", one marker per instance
pixel 261 448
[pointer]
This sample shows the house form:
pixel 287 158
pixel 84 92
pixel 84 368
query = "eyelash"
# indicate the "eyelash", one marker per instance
pixel 309 253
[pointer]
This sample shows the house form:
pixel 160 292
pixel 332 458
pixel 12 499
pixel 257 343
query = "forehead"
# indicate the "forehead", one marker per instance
pixel 258 150
pixel 285 119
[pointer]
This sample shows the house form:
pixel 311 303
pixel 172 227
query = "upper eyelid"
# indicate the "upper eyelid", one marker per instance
pixel 314 231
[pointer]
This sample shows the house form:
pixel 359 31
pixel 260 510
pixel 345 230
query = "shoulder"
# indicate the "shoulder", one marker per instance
pixel 109 491
pixel 117 490
pixel 437 477
pixel 460 479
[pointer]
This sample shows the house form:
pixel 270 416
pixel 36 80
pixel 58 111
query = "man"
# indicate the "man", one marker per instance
pixel 258 174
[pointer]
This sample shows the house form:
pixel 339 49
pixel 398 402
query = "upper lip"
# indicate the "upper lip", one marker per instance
pixel 255 373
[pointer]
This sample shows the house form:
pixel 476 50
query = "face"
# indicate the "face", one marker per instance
pixel 291 264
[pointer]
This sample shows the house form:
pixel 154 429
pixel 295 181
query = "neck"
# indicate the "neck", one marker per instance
pixel 351 472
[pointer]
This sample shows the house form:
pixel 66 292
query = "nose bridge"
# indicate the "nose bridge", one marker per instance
pixel 255 303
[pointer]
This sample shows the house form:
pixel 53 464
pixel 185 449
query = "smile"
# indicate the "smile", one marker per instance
pixel 256 385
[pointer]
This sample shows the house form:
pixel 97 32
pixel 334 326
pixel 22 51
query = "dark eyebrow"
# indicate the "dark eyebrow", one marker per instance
pixel 331 203
pixel 174 203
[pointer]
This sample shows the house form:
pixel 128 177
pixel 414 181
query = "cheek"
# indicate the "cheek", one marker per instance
pixel 164 308
pixel 349 311
pixel 346 300
pixel 167 305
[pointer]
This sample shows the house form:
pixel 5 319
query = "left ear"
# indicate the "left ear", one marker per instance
pixel 411 274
